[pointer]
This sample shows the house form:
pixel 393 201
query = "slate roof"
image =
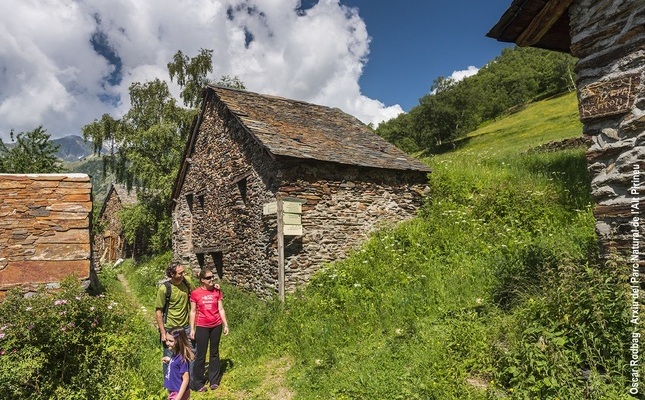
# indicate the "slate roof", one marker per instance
pixel 127 198
pixel 301 130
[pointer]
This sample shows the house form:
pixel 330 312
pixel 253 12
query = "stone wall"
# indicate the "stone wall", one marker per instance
pixel 44 229
pixel 211 216
pixel 229 179
pixel 343 205
pixel 608 37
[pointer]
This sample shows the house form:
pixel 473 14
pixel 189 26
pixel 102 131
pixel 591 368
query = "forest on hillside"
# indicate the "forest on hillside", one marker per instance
pixel 452 109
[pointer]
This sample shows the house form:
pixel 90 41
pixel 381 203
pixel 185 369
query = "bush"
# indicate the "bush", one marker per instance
pixel 68 344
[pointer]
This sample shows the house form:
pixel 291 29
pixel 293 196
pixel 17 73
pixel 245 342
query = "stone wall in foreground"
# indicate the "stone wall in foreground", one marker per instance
pixel 44 229
pixel 608 37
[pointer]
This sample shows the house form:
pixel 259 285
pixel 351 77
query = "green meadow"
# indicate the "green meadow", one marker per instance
pixel 494 291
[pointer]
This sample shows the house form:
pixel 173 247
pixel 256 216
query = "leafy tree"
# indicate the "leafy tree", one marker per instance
pixel 146 145
pixel 32 153
pixel 191 74
pixel 452 109
pixel 231 81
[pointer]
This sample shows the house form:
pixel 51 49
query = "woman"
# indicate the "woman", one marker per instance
pixel 207 322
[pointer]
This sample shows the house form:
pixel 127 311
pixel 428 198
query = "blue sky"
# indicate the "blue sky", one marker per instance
pixel 415 41
pixel 63 64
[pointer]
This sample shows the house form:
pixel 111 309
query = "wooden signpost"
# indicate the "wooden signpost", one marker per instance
pixel 289 214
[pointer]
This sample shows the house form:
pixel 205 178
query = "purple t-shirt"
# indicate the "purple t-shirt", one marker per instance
pixel 174 377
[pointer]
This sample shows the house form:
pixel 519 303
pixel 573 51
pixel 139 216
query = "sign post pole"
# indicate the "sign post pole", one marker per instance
pixel 280 251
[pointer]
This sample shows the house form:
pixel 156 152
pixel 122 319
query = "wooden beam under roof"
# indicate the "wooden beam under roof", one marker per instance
pixel 543 22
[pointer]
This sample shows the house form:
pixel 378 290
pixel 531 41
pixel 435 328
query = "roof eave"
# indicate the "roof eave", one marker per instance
pixel 525 23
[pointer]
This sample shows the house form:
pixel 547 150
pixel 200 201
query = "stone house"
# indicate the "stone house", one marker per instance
pixel 44 229
pixel 109 243
pixel 247 150
pixel 608 38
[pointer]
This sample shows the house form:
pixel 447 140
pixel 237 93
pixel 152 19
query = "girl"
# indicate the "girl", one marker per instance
pixel 177 376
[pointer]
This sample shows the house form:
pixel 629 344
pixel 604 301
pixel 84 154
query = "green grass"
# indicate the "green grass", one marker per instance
pixel 493 291
pixel 538 123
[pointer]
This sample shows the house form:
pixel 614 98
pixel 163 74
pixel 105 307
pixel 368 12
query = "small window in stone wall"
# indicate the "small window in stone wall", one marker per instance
pixel 218 260
pixel 189 201
pixel 241 186
pixel 213 260
pixel 241 181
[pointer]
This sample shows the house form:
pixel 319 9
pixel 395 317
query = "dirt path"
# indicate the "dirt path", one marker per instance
pixel 272 387
pixel 124 283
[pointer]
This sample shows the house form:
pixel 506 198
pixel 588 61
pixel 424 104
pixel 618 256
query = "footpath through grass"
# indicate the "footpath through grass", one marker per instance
pixel 493 291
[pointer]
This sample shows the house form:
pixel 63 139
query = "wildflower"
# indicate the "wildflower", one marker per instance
pixel 92 308
pixel 2 335
pixel 27 308
pixel 78 297
pixel 59 302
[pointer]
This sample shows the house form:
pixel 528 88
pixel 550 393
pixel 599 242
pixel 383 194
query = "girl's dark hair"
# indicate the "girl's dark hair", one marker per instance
pixel 182 345
pixel 172 268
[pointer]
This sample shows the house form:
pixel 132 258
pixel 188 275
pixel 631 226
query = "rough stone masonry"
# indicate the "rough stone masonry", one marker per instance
pixel 608 37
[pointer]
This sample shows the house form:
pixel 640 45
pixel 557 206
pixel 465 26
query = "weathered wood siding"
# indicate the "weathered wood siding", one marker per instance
pixel 343 204
pixel 112 231
pixel 608 37
pixel 44 229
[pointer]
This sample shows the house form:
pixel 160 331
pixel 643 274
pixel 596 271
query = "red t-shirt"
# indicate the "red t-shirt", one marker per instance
pixel 207 310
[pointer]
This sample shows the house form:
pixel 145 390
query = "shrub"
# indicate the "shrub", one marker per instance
pixel 67 344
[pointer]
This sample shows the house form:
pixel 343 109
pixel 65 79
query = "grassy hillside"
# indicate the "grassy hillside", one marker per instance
pixel 493 291
pixel 537 123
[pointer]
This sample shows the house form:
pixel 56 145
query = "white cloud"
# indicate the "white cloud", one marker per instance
pixel 51 75
pixel 464 73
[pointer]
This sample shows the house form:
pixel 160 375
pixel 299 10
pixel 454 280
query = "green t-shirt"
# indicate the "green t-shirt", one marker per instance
pixel 179 303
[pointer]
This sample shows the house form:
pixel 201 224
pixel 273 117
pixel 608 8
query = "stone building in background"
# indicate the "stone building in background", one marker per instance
pixel 608 37
pixel 247 150
pixel 44 229
pixel 109 239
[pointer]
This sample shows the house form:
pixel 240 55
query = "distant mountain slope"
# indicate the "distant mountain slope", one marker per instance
pixel 93 166
pixel 73 148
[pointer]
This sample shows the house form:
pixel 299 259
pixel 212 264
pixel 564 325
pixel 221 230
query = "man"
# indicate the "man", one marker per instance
pixel 178 307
